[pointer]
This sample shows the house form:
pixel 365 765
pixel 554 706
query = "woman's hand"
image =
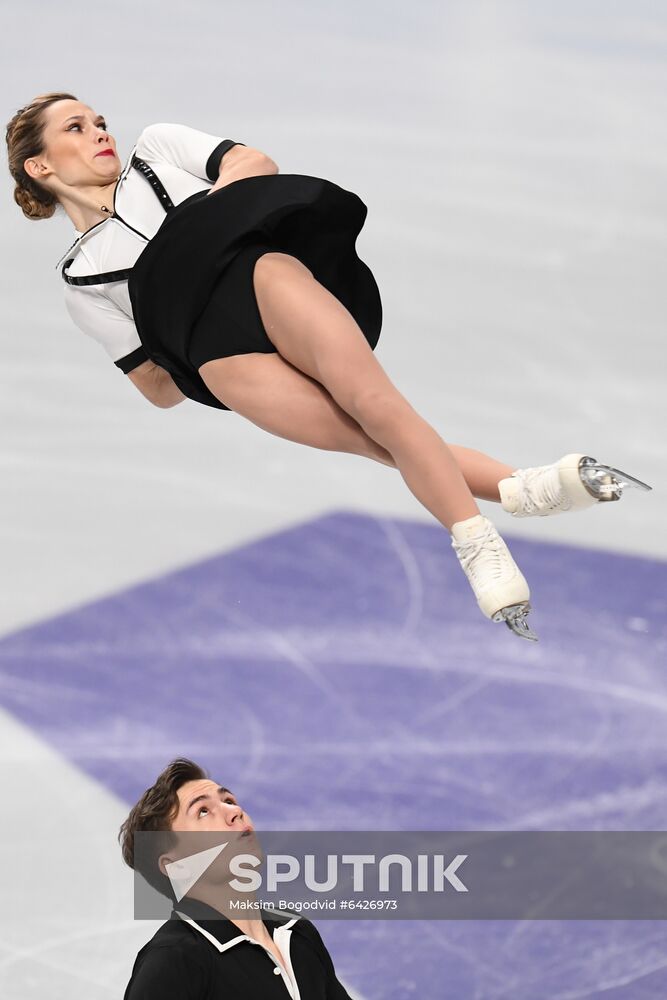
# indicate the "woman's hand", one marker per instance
pixel 243 161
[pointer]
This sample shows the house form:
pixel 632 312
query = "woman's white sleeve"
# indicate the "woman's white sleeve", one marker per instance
pixel 197 152
pixel 99 318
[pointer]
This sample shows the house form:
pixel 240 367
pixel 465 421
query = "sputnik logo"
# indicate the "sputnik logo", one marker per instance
pixel 186 871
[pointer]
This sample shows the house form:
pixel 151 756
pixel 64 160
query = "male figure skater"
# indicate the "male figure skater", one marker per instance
pixel 200 954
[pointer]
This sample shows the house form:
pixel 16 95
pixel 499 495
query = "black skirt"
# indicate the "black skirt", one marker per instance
pixel 191 288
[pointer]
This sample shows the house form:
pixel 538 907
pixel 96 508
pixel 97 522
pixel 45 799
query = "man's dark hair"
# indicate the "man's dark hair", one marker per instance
pixel 154 812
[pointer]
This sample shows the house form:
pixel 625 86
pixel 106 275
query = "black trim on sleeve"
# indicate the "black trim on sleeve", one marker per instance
pixel 213 162
pixel 131 361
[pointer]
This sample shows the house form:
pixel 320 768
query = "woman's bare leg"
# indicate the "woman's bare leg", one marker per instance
pixel 274 395
pixel 281 399
pixel 313 331
pixel 481 472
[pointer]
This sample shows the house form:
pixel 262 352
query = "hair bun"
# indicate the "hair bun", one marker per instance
pixel 25 138
pixel 31 206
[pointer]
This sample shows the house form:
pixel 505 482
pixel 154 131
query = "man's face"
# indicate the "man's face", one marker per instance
pixel 205 805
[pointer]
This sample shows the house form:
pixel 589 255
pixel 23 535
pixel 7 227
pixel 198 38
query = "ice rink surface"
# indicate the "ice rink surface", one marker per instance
pixel 181 582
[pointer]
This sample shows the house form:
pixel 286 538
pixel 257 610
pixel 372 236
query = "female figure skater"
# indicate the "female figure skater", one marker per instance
pixel 206 274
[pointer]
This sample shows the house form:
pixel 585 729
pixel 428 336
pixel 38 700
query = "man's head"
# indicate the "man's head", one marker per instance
pixel 183 799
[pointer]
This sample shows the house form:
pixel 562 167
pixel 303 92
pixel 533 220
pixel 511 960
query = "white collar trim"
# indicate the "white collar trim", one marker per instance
pixel 210 937
pixel 287 973
pixel 229 944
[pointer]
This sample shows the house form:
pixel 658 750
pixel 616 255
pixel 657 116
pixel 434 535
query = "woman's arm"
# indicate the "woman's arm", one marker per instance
pixel 156 385
pixel 243 161
pixel 240 161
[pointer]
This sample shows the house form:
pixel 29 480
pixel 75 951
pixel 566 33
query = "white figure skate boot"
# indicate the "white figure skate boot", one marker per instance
pixel 499 586
pixel 574 482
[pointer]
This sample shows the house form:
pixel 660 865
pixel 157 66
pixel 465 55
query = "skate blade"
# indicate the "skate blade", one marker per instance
pixel 514 616
pixel 606 482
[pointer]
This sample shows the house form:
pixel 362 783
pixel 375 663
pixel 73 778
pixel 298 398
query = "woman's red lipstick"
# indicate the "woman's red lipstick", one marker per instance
pixel 106 152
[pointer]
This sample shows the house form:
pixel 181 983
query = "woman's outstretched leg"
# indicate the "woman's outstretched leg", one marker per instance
pixel 314 332
pixel 481 472
pixel 352 406
pixel 275 395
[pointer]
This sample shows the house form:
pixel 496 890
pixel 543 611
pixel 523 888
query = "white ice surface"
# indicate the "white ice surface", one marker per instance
pixel 513 160
pixel 60 937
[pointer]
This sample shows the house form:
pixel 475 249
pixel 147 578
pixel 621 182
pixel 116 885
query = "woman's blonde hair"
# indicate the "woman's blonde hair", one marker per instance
pixel 25 138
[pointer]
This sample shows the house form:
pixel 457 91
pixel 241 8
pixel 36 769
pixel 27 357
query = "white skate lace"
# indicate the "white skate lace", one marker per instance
pixel 541 489
pixel 483 558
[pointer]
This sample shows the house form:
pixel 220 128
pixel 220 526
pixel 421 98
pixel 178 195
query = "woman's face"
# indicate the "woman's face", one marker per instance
pixel 78 149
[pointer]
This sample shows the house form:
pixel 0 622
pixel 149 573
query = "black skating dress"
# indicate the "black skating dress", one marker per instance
pixel 191 288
